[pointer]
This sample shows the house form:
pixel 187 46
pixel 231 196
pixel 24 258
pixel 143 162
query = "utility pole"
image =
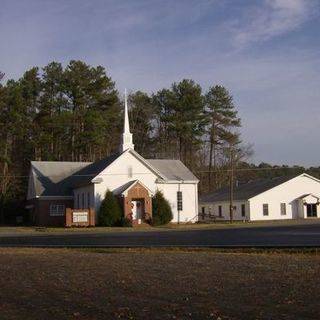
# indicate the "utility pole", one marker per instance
pixel 231 183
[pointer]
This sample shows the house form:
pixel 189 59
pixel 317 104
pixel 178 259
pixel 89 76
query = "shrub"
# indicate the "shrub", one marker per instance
pixel 125 222
pixel 161 210
pixel 110 212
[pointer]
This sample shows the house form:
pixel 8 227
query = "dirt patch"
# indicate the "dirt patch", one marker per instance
pixel 84 284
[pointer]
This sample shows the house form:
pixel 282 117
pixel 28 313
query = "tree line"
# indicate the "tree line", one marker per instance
pixel 74 113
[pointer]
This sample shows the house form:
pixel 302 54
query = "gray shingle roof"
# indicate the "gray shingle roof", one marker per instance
pixel 55 178
pixel 245 191
pixel 173 169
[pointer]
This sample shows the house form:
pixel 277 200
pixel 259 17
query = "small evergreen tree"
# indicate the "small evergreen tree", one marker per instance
pixel 110 213
pixel 161 210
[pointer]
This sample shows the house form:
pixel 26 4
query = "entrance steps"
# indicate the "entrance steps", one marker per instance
pixel 142 225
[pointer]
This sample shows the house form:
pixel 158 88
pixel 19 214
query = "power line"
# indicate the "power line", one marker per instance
pixel 149 173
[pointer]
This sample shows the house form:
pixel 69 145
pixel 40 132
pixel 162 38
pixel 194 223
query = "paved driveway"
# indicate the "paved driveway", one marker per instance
pixel 304 234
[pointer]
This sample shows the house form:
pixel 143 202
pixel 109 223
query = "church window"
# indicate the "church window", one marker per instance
pixel 57 210
pixel 130 172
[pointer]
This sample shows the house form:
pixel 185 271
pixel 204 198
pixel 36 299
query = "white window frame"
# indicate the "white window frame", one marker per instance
pixel 57 210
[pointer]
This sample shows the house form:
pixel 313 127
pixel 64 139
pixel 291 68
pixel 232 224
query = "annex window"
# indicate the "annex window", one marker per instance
pixel 203 210
pixel 220 211
pixel 78 201
pixel 283 209
pixel 265 207
pixel 57 210
pixel 243 210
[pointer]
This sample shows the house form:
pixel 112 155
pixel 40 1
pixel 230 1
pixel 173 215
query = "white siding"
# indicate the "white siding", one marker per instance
pixel 213 208
pixel 127 168
pixel 288 193
pixel 189 200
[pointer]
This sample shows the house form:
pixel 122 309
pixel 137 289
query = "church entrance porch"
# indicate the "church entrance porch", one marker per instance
pixel 137 202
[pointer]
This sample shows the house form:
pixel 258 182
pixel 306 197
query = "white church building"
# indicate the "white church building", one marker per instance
pixel 55 186
pixel 267 199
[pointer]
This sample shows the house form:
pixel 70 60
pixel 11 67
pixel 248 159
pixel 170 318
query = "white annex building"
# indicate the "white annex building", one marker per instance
pixel 54 186
pixel 269 199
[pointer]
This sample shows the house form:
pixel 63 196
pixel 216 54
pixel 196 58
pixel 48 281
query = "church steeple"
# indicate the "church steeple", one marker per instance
pixel 126 135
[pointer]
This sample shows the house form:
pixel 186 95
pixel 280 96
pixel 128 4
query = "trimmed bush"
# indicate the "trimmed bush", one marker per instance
pixel 110 213
pixel 125 222
pixel 161 210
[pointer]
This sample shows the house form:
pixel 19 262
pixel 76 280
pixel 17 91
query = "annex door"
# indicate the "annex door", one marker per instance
pixel 311 210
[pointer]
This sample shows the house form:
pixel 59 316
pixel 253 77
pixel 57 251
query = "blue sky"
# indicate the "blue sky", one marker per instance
pixel 266 52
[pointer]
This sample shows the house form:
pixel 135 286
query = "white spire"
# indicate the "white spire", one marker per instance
pixel 126 116
pixel 126 136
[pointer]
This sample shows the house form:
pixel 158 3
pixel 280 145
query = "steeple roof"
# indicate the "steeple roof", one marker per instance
pixel 126 135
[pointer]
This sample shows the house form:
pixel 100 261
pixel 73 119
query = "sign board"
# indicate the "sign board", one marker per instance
pixel 81 216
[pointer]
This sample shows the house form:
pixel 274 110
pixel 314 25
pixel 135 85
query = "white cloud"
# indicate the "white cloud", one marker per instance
pixel 271 19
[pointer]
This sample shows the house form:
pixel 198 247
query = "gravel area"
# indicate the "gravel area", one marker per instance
pixel 157 284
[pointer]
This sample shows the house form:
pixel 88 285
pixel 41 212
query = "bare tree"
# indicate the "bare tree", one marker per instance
pixel 1 75
pixel 235 152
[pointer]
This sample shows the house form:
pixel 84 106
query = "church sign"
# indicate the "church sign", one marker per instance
pixel 81 216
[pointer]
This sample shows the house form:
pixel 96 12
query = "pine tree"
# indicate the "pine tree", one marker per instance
pixel 95 107
pixel 141 117
pixel 182 118
pixel 223 119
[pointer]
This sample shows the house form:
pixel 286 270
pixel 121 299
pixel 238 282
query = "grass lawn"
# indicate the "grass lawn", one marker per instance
pixel 157 284
pixel 169 227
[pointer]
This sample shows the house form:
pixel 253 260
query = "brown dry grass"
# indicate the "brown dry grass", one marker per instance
pixel 157 284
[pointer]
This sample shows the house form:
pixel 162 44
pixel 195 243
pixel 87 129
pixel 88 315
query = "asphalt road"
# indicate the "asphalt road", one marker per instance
pixel 297 235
